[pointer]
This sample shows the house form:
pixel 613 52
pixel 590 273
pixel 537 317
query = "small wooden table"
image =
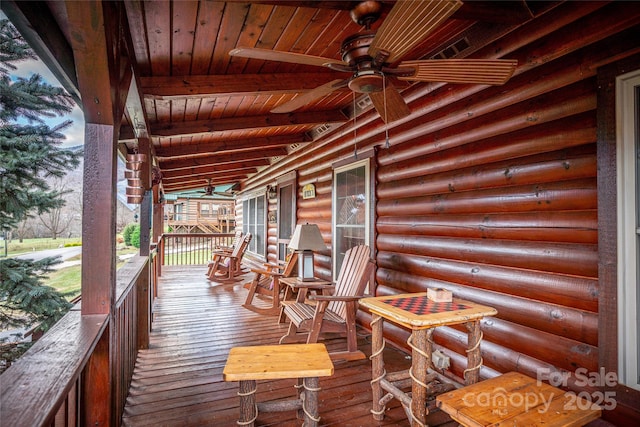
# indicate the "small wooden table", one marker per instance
pixel 293 284
pixel 421 315
pixel 514 399
pixel 306 362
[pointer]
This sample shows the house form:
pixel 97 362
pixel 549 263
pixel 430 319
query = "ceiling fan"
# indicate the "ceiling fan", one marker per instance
pixel 210 190
pixel 368 56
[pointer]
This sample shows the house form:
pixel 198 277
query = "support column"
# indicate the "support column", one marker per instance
pixel 99 219
pixel 98 266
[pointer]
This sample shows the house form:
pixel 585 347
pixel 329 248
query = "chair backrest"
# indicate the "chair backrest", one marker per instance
pixel 242 246
pixel 290 265
pixel 236 238
pixel 353 278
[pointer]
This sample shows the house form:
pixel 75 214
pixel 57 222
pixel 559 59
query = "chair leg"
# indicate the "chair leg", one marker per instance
pixel 291 335
pixel 252 289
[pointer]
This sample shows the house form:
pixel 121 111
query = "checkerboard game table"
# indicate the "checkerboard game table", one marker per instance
pixel 421 315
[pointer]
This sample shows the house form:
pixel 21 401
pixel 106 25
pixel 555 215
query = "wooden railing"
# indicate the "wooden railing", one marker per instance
pixel 191 248
pixel 50 384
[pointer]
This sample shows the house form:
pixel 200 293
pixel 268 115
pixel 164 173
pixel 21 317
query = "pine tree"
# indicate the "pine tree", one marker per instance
pixel 30 156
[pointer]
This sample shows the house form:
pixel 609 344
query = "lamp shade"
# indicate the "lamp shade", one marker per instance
pixel 307 237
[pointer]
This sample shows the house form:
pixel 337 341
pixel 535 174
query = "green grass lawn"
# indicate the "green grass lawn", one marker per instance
pixel 15 247
pixel 67 280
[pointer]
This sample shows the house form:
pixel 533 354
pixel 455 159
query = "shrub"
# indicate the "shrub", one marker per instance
pixel 135 236
pixel 126 233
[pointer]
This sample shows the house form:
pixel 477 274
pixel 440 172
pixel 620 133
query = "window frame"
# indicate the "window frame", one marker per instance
pixel 255 247
pixel 628 226
pixel 282 183
pixel 368 160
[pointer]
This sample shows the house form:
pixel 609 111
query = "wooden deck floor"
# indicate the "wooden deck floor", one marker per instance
pixel 178 380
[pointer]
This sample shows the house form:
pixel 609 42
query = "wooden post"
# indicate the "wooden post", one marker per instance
pixel 474 358
pixel 99 219
pixel 98 270
pixel 310 401
pixel 377 365
pixel 143 300
pixel 421 356
pixel 145 223
pixel 248 411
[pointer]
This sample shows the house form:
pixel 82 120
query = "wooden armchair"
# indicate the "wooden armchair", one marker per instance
pixel 336 312
pixel 225 266
pixel 266 281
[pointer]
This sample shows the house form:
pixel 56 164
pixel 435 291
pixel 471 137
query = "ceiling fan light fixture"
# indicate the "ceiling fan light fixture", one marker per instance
pixel 367 81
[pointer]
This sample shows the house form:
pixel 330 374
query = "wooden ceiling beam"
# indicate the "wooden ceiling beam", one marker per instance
pixel 222 158
pixel 497 12
pixel 194 185
pixel 209 86
pixel 214 176
pixel 217 146
pixel 198 127
pixel 247 122
pixel 320 4
pixel 204 180
pixel 213 169
pixel 37 25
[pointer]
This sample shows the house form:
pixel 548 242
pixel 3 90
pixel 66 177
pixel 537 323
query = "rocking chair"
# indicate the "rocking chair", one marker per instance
pixel 225 266
pixel 266 281
pixel 336 312
pixel 224 250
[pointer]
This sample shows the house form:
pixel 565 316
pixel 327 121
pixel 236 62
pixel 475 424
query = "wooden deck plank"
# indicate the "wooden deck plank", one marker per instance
pixel 178 380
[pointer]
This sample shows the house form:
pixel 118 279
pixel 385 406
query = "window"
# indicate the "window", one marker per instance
pixel 351 209
pixel 286 212
pixel 254 216
pixel 179 209
pixel 205 209
pixel 628 150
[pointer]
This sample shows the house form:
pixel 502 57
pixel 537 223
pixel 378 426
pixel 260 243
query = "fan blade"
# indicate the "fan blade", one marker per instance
pixel 409 23
pixel 291 57
pixel 310 96
pixel 395 108
pixel 480 71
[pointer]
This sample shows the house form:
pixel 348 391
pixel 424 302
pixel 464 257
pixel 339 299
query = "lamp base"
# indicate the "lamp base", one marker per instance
pixel 305 266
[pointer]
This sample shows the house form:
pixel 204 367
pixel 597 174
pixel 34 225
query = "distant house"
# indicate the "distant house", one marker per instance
pixel 195 214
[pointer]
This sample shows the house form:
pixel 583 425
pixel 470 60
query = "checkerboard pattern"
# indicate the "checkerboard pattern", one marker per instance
pixel 420 305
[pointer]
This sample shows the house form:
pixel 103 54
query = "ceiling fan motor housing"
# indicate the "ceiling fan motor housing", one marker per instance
pixel 354 51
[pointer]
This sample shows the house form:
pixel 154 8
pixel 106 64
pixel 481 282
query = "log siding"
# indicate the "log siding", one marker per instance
pixel 492 193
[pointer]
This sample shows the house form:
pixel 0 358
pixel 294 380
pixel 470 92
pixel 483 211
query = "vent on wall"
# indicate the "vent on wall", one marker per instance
pixel 453 50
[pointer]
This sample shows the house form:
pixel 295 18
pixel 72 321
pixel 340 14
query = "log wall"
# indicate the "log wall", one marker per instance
pixel 491 192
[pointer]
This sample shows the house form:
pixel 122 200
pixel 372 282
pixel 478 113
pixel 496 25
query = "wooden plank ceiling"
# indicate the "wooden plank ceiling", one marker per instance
pixel 208 113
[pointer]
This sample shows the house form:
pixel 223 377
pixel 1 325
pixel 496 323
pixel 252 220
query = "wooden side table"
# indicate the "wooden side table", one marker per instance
pixel 514 399
pixel 306 362
pixel 421 315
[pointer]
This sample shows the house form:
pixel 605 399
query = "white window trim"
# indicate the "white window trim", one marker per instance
pixel 367 238
pixel 627 191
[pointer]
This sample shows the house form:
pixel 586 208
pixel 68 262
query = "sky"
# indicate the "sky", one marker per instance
pixel 74 133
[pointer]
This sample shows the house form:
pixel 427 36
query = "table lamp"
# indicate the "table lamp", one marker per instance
pixel 306 239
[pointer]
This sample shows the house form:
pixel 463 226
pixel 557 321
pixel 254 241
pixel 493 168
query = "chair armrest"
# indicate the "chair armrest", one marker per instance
pixel 346 298
pixel 310 286
pixel 267 272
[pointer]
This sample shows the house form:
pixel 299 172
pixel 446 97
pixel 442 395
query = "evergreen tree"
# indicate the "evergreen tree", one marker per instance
pixel 30 155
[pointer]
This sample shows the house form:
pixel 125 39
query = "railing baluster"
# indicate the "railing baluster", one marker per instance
pixel 191 249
